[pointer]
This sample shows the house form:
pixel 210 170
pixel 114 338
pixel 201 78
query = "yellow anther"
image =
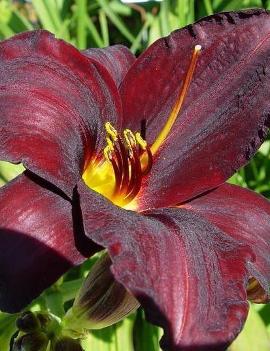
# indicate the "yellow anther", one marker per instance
pixel 111 131
pixel 108 153
pixel 129 138
pixel 141 141
pixel 179 101
pixel 110 144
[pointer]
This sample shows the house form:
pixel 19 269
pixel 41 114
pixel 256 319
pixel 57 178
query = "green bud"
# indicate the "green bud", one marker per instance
pixel 28 322
pixel 101 301
pixel 37 341
pixel 67 344
pixel 44 319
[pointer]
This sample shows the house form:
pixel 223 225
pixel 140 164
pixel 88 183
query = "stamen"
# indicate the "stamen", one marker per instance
pixel 147 161
pixel 126 162
pixel 108 153
pixel 179 102
pixel 125 169
pixel 110 144
pixel 135 177
pixel 149 164
pixel 118 176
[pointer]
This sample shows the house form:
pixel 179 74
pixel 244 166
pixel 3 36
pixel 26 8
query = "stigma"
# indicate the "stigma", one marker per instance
pixel 127 158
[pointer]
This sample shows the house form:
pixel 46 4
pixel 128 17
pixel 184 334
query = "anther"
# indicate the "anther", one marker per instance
pixel 129 138
pixel 111 131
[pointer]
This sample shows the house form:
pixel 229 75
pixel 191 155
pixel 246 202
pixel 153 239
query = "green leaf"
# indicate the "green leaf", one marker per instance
pixel 94 32
pixel 104 27
pixel 164 18
pixel 137 42
pixel 5 31
pixel 19 23
pixel 146 335
pixel 5 12
pixel 208 7
pixel 116 20
pixel 81 24
pixel 48 14
pixel 254 336
pixel 9 171
pixel 230 5
pixel 118 337
pixel 7 329
pixel 120 8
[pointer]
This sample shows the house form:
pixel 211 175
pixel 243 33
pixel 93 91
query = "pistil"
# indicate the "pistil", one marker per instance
pixel 179 101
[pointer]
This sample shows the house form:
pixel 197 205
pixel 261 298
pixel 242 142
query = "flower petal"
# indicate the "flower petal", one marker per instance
pixel 225 115
pixel 189 276
pixel 244 216
pixel 37 241
pixel 53 103
pixel 117 59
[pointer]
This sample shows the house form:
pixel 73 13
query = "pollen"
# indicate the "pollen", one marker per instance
pixel 127 157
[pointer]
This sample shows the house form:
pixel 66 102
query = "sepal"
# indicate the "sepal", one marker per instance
pixel 100 302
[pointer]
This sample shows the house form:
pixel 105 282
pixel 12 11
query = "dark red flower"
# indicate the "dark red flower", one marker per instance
pixel 190 248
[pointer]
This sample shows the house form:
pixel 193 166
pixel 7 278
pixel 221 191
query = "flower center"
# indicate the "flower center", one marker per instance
pixel 127 158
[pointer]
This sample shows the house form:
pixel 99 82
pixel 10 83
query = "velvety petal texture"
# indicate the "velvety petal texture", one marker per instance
pixel 54 102
pixel 244 216
pixel 225 115
pixel 188 274
pixel 116 58
pixel 37 244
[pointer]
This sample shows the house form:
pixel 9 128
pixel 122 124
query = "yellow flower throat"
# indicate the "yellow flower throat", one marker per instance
pixel 127 157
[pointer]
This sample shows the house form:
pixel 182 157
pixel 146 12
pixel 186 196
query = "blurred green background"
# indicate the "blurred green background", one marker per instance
pixel 99 23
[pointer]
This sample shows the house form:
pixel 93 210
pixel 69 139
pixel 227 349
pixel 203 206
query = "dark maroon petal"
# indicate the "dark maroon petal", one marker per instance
pixel 189 276
pixel 117 59
pixel 225 115
pixel 245 216
pixel 54 102
pixel 37 243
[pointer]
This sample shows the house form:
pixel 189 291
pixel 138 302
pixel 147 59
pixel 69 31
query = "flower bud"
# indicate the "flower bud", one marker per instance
pixel 28 322
pixel 36 341
pixel 67 344
pixel 101 301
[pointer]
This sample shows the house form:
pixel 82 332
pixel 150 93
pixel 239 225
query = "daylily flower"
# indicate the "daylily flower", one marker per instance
pixel 133 154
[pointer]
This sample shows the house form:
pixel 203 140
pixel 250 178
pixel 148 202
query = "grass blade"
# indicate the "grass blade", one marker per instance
pixel 116 20
pixel 104 28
